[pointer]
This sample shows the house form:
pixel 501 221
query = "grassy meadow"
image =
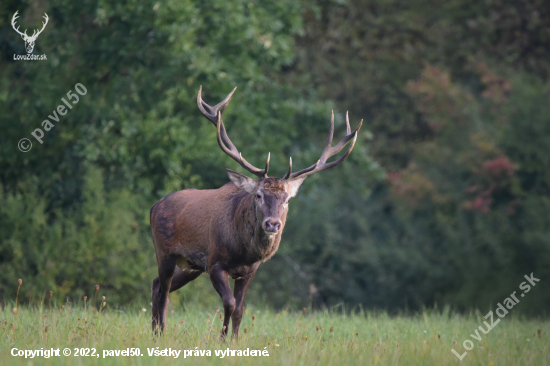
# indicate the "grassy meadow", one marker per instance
pixel 329 337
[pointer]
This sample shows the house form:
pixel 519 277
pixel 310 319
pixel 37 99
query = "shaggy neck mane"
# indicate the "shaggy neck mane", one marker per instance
pixel 252 239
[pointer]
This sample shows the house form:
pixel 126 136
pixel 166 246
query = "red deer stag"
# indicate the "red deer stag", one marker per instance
pixel 229 231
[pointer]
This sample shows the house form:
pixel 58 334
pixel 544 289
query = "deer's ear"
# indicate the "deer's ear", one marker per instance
pixel 243 182
pixel 294 184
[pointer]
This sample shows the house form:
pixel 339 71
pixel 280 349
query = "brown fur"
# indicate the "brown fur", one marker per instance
pixel 217 231
pixel 229 231
pixel 275 185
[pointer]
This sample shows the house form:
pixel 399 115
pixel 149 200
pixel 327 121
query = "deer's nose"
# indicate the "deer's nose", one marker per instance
pixel 272 226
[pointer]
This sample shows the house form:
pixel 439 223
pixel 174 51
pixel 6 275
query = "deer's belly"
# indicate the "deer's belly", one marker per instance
pixel 192 259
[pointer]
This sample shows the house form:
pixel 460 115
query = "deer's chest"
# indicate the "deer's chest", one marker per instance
pixel 263 249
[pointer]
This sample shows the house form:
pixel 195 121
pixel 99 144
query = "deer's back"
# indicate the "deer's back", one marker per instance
pixel 187 222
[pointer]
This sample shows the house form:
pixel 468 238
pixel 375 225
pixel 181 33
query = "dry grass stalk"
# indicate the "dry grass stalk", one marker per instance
pixel 95 295
pixel 19 283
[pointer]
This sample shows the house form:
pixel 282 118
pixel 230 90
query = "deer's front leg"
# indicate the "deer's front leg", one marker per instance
pixel 241 285
pixel 220 280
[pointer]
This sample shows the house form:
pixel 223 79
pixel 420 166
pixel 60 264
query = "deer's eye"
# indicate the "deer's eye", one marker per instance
pixel 258 197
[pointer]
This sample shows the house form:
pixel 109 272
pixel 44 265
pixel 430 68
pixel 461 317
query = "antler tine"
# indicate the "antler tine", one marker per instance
pixel 235 154
pixel 43 24
pixel 267 163
pixel 343 157
pixel 214 114
pixel 13 19
pixel 329 151
pixel 37 32
pixel 329 139
pixel 287 175
pixel 211 113
pixel 306 170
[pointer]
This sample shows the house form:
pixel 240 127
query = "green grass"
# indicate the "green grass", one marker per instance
pixel 291 338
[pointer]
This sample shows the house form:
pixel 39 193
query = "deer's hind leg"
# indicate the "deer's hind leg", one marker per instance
pixel 182 277
pixel 161 288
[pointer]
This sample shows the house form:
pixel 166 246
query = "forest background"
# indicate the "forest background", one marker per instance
pixel 444 200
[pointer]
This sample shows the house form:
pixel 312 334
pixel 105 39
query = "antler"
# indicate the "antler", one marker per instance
pixel 36 33
pixel 329 151
pixel 13 25
pixel 214 115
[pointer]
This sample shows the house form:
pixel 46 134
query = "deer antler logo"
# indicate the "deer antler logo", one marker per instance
pixel 29 40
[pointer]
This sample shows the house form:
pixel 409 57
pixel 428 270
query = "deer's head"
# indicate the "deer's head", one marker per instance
pixel 29 40
pixel 273 194
pixel 271 197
